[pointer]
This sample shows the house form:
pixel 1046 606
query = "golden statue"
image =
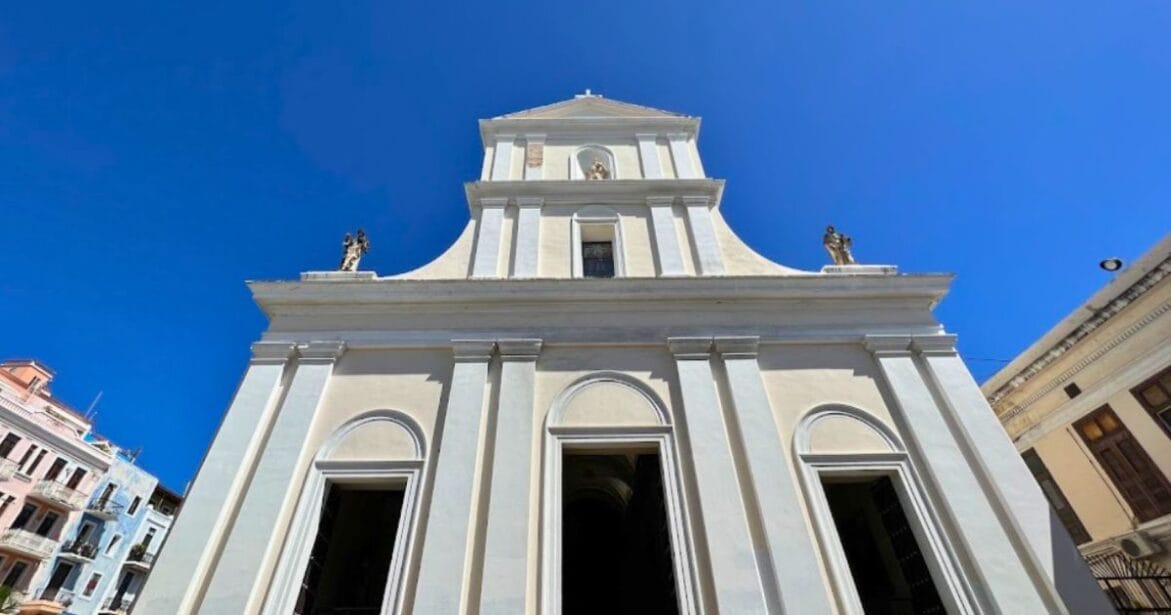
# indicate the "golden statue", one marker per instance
pixel 598 171
pixel 353 248
pixel 838 246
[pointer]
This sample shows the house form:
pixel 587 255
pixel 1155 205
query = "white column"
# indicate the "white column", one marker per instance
pixel 1003 577
pixel 502 161
pixel 528 237
pixel 681 155
pixel 788 538
pixel 180 573
pixel 1021 504
pixel 442 584
pixel 666 239
pixel 488 235
pixel 506 547
pixel 733 561
pixel 534 157
pixel 648 153
pixel 703 235
pixel 234 584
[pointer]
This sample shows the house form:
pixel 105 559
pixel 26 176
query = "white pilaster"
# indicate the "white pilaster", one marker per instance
pixel 234 585
pixel 180 573
pixel 703 235
pixel 733 561
pixel 442 584
pixel 528 237
pixel 788 538
pixel 488 235
pixel 648 154
pixel 502 161
pixel 666 239
pixel 534 147
pixel 506 547
pixel 1004 579
pixel 1021 504
pixel 681 155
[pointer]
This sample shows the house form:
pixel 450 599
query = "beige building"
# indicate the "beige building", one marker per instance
pixel 599 400
pixel 1089 407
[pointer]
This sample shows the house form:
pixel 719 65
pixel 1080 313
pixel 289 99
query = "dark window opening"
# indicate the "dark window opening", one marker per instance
pixel 36 462
pixel 351 555
pixel 886 563
pixel 24 516
pixel 597 259
pixel 1155 397
pixel 616 545
pixel 47 523
pixel 75 478
pixel 1141 483
pixel 1056 498
pixel 1072 390
pixel 55 469
pixel 15 573
pixel 9 443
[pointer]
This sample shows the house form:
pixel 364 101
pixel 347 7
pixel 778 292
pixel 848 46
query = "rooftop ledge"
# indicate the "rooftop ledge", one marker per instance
pixel 340 288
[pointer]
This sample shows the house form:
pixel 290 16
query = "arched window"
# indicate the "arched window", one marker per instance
pixel 879 534
pixel 353 530
pixel 614 527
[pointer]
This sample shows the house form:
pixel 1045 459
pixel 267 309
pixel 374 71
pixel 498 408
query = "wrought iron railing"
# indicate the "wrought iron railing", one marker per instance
pixel 1134 586
pixel 87 550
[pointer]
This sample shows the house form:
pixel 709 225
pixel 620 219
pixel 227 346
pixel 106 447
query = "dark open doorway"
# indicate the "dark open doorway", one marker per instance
pixel 352 552
pixel 617 555
pixel 886 563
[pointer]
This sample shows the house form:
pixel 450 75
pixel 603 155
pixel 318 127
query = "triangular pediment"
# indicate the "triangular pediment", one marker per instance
pixel 590 106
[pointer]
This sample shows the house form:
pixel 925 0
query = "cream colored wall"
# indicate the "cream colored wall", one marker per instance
pixel 453 264
pixel 556 243
pixel 1097 504
pixel 739 258
pixel 560 154
pixel 665 161
pixel 556 249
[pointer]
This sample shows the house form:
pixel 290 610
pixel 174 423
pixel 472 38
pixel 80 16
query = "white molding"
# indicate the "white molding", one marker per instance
pixel 680 146
pixel 608 192
pixel 502 158
pixel 489 235
pixel 575 170
pixel 648 155
pixel 705 244
pixel 952 586
pixel 528 237
pixel 668 255
pixel 557 409
pixel 283 592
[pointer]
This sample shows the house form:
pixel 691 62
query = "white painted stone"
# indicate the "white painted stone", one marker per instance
pixel 666 240
pixel 502 161
pixel 1005 580
pixel 860 269
pixel 681 156
pixel 442 581
pixel 528 237
pixel 733 561
pixel 337 276
pixel 648 153
pixel 1023 507
pixel 791 551
pixel 233 587
pixel 488 236
pixel 506 547
pixel 704 243
pixel 182 568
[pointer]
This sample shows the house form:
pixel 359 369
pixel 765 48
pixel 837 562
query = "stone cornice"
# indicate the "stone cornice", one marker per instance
pixel 594 127
pixel 690 348
pixel 363 295
pixel 526 349
pixel 472 349
pixel 320 352
pixel 271 352
pixel 738 347
pixel 608 192
pixel 1014 376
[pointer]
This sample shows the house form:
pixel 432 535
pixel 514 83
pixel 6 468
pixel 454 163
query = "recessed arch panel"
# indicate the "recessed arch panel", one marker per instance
pixel 608 399
pixel 842 429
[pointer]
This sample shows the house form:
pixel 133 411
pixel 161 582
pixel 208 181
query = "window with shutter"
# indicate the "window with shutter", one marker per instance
pixel 1056 498
pixel 1136 477
pixel 1155 396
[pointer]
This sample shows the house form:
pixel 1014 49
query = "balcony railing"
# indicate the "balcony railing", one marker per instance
pixel 7 469
pixel 140 557
pixel 59 595
pixel 87 550
pixel 54 492
pixel 117 604
pixel 27 543
pixel 104 508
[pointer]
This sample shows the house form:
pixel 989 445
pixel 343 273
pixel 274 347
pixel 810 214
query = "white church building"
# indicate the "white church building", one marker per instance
pixel 600 400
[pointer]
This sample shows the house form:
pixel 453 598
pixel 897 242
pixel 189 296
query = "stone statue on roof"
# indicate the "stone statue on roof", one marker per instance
pixel 838 246
pixel 353 248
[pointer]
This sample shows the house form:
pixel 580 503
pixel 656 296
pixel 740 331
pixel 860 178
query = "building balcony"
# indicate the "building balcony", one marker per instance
pixel 60 595
pixel 7 469
pixel 27 543
pixel 139 558
pixel 104 509
pixel 116 605
pixel 79 551
pixel 56 494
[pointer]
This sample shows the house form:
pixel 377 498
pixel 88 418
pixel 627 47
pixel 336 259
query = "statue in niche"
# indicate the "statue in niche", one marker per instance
pixel 353 248
pixel 598 171
pixel 838 246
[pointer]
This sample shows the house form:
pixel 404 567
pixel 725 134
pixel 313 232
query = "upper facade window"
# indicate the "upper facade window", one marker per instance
pixel 1140 482
pixel 597 259
pixel 1155 396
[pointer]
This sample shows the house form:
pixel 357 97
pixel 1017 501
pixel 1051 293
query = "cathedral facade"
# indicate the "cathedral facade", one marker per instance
pixel 600 400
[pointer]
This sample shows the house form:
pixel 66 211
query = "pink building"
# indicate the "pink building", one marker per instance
pixel 47 471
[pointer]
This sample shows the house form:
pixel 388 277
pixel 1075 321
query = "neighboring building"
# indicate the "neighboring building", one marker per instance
pixel 1088 405
pixel 47 471
pixel 599 400
pixel 131 572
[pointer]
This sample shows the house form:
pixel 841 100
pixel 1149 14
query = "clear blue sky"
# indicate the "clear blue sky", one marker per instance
pixel 154 156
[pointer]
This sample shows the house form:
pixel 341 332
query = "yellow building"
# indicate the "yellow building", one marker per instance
pixel 1089 407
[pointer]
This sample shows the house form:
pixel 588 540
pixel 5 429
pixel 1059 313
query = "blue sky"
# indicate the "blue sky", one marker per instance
pixel 154 157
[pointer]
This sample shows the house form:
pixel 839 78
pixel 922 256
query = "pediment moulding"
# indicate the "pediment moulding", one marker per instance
pixel 625 191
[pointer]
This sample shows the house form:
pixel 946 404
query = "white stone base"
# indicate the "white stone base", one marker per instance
pixel 860 269
pixel 337 276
